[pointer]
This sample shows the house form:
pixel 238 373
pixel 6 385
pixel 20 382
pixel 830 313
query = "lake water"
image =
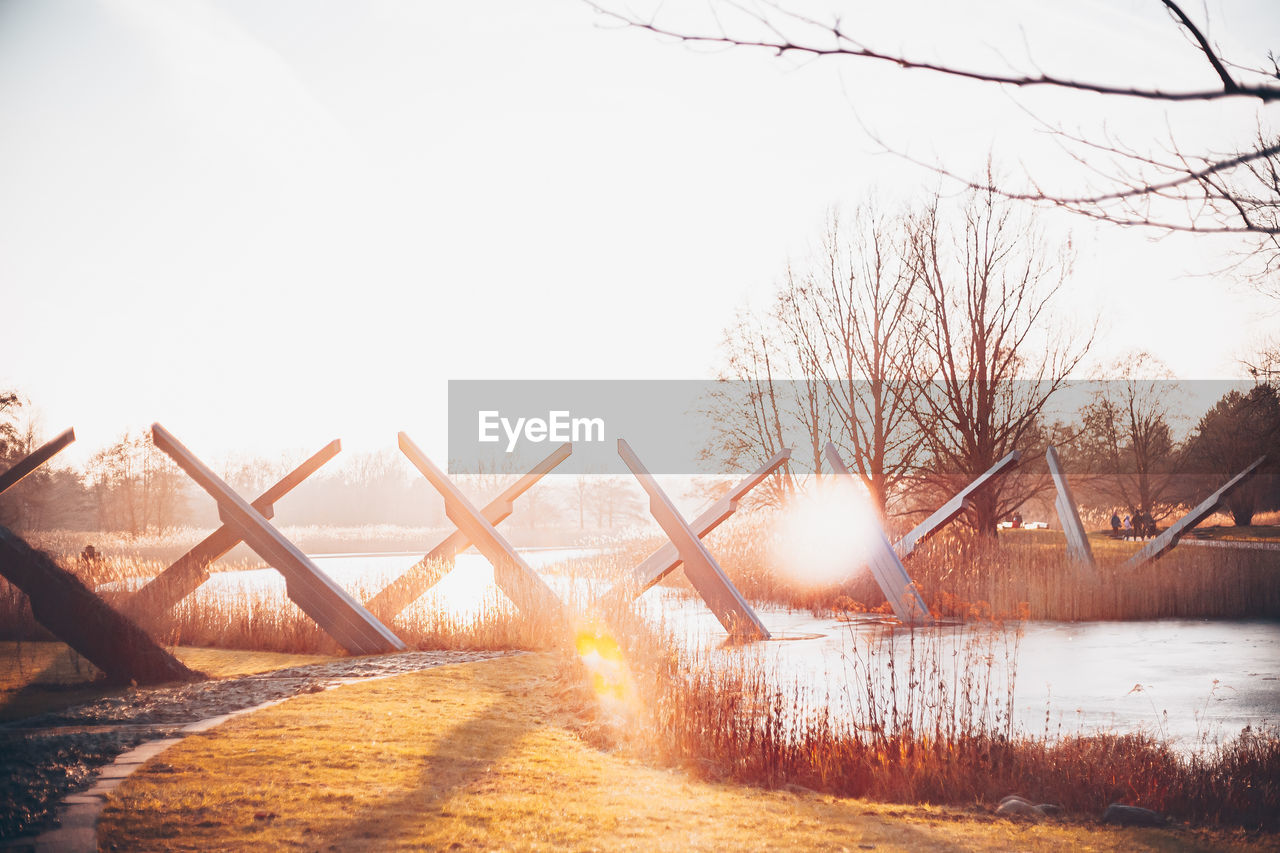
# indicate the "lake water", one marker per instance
pixel 1185 680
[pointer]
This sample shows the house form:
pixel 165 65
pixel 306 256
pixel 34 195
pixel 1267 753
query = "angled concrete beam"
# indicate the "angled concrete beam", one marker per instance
pixel 165 590
pixel 424 574
pixel 1165 542
pixel 510 572
pixel 719 593
pixel 885 565
pixel 78 617
pixel 35 459
pixel 1077 540
pixel 947 513
pixel 663 561
pixel 333 609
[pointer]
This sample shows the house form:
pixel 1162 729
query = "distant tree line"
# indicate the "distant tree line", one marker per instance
pixel 131 487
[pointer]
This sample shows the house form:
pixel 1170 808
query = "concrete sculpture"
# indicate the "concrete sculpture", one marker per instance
pixel 1166 541
pixel 886 567
pixel 666 559
pixel 74 613
pixel 332 608
pixel 424 574
pixel 715 588
pixel 165 590
pixel 948 512
pixel 510 572
pixel 1077 540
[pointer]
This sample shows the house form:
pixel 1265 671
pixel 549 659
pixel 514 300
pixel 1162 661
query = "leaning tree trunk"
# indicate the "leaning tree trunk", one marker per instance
pixel 76 615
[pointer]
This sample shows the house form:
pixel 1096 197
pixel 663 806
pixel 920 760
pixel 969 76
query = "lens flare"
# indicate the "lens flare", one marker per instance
pixel 825 535
pixel 610 678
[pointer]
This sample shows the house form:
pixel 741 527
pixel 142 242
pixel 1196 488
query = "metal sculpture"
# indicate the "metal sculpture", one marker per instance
pixel 666 559
pixel 715 588
pixel 425 573
pixel 74 613
pixel 1077 540
pixel 332 608
pixel 952 508
pixel 35 459
pixel 886 567
pixel 510 572
pixel 1166 541
pixel 163 592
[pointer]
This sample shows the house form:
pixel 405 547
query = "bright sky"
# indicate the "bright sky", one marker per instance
pixel 268 224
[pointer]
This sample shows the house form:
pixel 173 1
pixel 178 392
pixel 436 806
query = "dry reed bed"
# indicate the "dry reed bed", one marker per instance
pixel 930 722
pixel 1026 574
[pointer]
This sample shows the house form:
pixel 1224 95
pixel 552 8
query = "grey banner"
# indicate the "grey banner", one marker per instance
pixel 723 428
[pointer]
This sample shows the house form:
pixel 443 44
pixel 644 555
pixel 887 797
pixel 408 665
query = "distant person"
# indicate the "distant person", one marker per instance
pixel 90 557
pixel 1127 526
pixel 1017 519
pixel 1115 524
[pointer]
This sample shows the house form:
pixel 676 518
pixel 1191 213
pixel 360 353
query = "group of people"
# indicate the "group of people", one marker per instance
pixel 1140 525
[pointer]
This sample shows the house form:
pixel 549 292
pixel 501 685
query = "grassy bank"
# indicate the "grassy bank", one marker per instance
pixel 490 756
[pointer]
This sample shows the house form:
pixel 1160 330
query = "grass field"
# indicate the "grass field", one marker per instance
pixel 489 756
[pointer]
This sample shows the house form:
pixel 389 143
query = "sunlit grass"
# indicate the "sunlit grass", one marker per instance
pixel 487 756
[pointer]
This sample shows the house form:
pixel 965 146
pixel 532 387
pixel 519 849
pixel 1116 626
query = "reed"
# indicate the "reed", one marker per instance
pixel 926 717
pixel 1024 574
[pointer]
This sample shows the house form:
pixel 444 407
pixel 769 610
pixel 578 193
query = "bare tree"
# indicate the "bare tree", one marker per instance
pixel 1126 438
pixel 990 363
pixel 136 488
pixel 751 410
pixel 1235 190
pixel 10 435
pixel 851 323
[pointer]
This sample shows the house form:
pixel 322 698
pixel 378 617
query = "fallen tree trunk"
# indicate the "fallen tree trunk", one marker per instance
pixel 78 617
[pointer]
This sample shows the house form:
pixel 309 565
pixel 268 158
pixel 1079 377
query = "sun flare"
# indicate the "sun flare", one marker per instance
pixel 825 535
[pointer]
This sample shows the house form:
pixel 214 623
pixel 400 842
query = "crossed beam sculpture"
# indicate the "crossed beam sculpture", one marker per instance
pixel 1166 541
pixel 71 611
pixel 163 592
pixel 666 559
pixel 1077 540
pixel 424 574
pixel 948 512
pixel 715 588
pixel 333 609
pixel 35 459
pixel 511 573
pixel 884 562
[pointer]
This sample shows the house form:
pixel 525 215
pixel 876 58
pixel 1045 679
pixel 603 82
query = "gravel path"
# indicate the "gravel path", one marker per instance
pixel 45 757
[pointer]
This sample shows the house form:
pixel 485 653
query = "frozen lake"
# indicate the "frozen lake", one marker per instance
pixel 1186 680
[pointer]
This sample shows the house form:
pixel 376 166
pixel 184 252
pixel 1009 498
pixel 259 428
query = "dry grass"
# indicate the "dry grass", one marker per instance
pixel 929 720
pixel 485 756
pixel 1024 574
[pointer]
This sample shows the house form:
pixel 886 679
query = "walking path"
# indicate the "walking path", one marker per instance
pixel 60 751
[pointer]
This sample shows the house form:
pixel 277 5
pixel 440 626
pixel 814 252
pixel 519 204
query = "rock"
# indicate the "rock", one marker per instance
pixel 1013 797
pixel 1050 809
pixel 1018 807
pixel 1122 815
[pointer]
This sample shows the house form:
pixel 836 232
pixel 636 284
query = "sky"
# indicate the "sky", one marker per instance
pixel 269 224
